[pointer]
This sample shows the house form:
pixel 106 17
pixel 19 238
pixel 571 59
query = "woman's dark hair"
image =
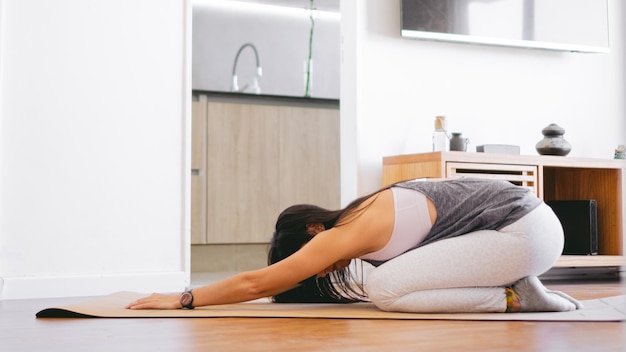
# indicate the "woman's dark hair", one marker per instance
pixel 291 234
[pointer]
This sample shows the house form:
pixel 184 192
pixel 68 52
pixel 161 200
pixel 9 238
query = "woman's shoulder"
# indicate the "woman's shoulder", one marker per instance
pixel 371 224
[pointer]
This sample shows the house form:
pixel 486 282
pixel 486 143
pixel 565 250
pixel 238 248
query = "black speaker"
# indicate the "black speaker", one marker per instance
pixel 580 224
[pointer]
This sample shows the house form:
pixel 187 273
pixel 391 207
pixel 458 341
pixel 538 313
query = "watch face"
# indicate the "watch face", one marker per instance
pixel 186 299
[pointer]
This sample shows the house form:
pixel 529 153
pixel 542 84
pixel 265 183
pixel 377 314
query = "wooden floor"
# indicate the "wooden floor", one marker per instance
pixel 20 331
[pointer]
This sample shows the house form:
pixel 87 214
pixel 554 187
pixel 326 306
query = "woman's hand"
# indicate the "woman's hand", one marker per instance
pixel 157 301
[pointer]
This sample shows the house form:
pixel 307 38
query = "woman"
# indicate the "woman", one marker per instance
pixel 464 245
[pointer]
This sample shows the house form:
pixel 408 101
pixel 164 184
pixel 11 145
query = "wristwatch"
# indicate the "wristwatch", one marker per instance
pixel 186 299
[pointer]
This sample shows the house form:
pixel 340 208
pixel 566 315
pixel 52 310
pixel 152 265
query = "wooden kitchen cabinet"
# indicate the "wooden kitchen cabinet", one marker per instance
pixel 255 160
pixel 550 177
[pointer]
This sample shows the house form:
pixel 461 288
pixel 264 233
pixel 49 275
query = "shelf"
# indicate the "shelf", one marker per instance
pixel 577 261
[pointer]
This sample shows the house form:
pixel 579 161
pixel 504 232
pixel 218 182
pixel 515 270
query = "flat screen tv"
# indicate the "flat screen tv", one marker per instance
pixel 566 25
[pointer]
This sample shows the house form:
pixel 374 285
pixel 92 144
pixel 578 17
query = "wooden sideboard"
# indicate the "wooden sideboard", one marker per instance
pixel 550 177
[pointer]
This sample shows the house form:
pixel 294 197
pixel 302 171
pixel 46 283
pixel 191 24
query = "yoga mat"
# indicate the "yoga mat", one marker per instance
pixel 112 306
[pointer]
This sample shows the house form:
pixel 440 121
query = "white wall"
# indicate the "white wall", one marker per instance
pixel 94 153
pixel 494 95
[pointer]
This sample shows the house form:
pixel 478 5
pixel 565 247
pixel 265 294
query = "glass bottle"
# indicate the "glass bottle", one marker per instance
pixel 440 135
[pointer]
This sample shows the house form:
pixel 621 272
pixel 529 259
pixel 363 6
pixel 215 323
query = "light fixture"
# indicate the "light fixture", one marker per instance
pixel 263 8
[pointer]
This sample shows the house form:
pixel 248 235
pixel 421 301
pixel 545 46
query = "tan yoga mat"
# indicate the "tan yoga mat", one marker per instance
pixel 112 306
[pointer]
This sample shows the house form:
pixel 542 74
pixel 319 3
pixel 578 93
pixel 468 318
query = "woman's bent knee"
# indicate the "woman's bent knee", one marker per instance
pixel 379 290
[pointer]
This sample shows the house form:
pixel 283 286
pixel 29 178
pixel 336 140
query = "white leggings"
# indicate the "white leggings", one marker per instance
pixel 467 273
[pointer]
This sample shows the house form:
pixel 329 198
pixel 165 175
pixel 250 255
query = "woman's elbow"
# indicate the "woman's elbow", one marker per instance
pixel 254 286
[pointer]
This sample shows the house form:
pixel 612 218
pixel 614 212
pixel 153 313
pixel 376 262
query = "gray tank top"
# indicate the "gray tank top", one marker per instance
pixel 468 205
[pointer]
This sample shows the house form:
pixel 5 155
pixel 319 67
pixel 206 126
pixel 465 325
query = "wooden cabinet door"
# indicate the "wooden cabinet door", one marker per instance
pixel 309 157
pixel 242 172
pixel 252 161
pixel 198 172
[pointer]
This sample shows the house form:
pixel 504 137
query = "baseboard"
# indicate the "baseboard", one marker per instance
pixel 90 285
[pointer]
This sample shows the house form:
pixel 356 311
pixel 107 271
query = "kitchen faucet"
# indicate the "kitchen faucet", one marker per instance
pixel 255 80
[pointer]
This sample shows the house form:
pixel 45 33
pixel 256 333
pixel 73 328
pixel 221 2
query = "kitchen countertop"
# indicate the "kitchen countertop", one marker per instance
pixel 245 98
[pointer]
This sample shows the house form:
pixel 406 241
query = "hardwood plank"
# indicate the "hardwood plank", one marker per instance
pixel 20 331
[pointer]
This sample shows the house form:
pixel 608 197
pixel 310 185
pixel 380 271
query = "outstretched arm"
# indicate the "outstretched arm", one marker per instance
pixel 367 232
pixel 238 288
pixel 321 252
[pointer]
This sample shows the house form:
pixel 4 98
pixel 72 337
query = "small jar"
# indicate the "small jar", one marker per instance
pixel 458 143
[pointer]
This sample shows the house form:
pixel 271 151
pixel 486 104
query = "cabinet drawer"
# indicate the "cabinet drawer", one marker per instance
pixel 521 175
